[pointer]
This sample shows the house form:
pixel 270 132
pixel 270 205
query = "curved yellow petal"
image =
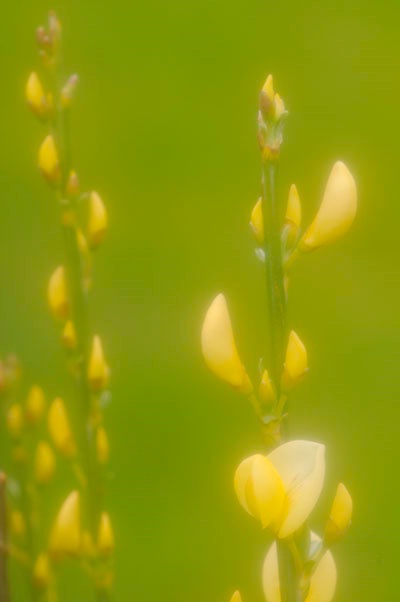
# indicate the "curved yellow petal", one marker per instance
pixel 296 361
pixel 219 347
pixel 260 490
pixel 257 222
pixel 323 579
pixel 340 515
pixel 301 466
pixel 337 211
pixel 65 537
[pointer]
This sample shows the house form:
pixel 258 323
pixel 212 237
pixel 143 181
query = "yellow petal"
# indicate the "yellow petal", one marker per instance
pixel 105 536
pixel 65 536
pixel 68 337
pixel 44 463
pixel 17 523
pixel 35 96
pixel 293 209
pixel 236 597
pixel 340 515
pixel 49 163
pixel 295 361
pixel 322 583
pixel 337 211
pixel 98 220
pixel 59 428
pixel 42 572
pixel 57 293
pixel 219 347
pixel 257 223
pixel 98 370
pixel 102 445
pixel 15 420
pixel 35 404
pixel 260 490
pixel 301 466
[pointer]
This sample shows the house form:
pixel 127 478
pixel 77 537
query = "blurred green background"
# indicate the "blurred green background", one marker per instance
pixel 164 128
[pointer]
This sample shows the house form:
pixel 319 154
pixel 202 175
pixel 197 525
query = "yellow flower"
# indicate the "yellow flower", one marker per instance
pixel 15 420
pixel 42 572
pixel 35 404
pixel 257 223
pixel 98 370
pixel 65 537
pixel 219 347
pixel 322 582
pixel 281 489
pixel 102 445
pixel 57 293
pixel 337 211
pixel 35 96
pixel 59 428
pixel 295 361
pixel 340 515
pixel 267 98
pixel 49 162
pixel 17 523
pixel 293 214
pixel 44 463
pixel 105 535
pixel 236 597
pixel 98 220
pixel 68 337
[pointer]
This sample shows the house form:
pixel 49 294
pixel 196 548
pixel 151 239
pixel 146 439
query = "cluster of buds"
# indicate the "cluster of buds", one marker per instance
pixel 64 431
pixel 282 488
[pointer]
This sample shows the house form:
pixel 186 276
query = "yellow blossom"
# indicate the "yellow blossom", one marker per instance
pixel 295 361
pixel 42 571
pixel 65 537
pixel 337 211
pixel 236 597
pixel 44 463
pixel 35 96
pixel 340 515
pixel 322 582
pixel 17 523
pixel 35 404
pixel 68 337
pixel 59 428
pixel 98 370
pixel 256 222
pixel 266 390
pixel 102 445
pixel 57 293
pixel 97 221
pixel 15 420
pixel 105 535
pixel 281 489
pixel 219 347
pixel 49 163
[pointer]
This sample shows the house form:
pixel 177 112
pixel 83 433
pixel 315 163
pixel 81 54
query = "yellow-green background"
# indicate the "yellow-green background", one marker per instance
pixel 164 128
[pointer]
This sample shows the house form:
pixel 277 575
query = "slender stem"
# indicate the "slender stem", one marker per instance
pixel 274 272
pixel 288 574
pixel 4 586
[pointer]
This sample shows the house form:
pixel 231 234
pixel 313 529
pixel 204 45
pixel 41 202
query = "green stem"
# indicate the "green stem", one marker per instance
pixel 274 272
pixel 288 574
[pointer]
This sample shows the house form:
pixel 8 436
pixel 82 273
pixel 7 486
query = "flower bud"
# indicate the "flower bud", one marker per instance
pixel 73 187
pixel 59 428
pixel 35 96
pixel 257 223
pixel 295 362
pixel 102 445
pixel 17 523
pixel 68 337
pixel 266 389
pixel 337 211
pixel 98 371
pixel 340 515
pixel 219 347
pixel 87 546
pixel 15 420
pixel 68 91
pixel 293 215
pixel 57 294
pixel 49 163
pixel 98 220
pixel 105 536
pixel 44 463
pixel 42 572
pixel 236 597
pixel 279 107
pixel 35 405
pixel 65 537
pixel 267 98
